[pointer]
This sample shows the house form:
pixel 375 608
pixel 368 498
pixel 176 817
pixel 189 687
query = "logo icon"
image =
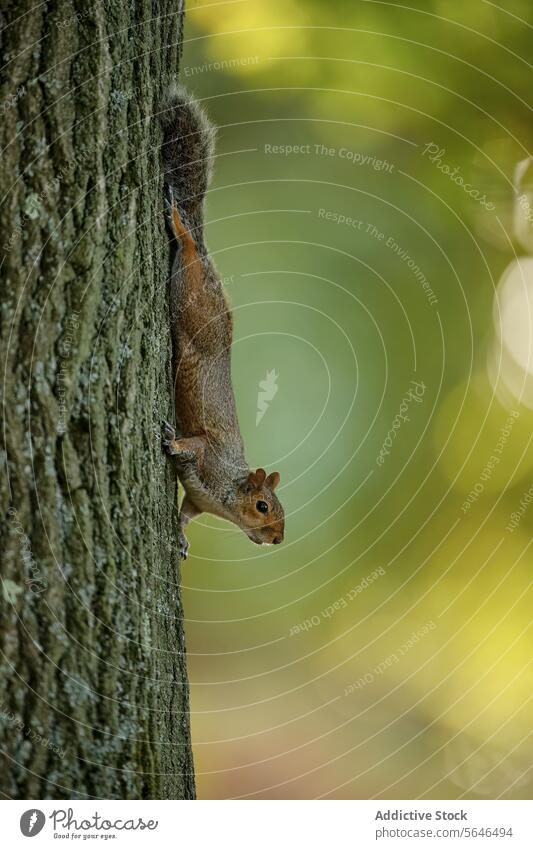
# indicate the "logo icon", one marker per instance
pixel 267 390
pixel 32 822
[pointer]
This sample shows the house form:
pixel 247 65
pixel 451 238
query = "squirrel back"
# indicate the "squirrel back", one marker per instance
pixel 201 321
pixel 188 151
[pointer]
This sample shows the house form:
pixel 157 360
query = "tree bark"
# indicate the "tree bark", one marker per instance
pixel 93 682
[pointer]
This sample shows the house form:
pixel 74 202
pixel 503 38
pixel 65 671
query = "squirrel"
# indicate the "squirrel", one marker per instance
pixel 209 451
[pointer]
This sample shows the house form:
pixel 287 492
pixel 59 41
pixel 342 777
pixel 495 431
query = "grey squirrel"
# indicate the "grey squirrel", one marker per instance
pixel 209 452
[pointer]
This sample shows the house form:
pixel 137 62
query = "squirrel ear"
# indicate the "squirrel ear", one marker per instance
pixel 256 479
pixel 272 480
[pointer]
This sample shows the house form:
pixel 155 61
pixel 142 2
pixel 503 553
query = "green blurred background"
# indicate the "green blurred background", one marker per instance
pixel 383 650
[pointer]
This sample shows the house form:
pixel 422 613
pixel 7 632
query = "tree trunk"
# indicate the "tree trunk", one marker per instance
pixel 93 684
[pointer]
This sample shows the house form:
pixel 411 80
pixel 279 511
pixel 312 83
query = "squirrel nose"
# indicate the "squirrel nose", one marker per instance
pixel 277 540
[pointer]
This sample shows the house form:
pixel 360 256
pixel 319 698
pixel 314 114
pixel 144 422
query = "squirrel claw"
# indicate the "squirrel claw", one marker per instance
pixel 183 546
pixel 170 205
pixel 168 430
pixel 169 436
pixel 169 197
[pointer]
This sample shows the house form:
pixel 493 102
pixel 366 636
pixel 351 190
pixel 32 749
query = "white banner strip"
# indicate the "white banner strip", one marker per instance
pixel 267 824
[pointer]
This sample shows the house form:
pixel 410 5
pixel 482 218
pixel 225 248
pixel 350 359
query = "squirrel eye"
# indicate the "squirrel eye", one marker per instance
pixel 262 506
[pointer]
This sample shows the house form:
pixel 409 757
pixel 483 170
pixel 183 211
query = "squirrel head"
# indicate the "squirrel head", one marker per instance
pixel 259 513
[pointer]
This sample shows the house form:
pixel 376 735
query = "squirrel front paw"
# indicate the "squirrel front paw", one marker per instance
pixel 183 450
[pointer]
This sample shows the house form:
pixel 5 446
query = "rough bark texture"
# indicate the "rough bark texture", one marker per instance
pixel 93 684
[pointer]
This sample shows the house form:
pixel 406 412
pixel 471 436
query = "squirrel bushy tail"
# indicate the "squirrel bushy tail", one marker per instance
pixel 188 148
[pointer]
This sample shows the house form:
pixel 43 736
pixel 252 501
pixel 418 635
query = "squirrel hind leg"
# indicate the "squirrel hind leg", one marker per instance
pixel 188 512
pixel 183 545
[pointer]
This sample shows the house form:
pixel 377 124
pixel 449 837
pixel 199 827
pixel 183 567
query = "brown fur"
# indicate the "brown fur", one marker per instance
pixel 209 453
